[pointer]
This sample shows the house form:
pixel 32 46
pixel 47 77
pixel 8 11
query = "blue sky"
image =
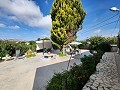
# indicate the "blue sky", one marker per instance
pixel 29 20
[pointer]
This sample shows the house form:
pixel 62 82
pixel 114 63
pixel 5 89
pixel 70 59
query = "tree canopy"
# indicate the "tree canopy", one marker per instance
pixel 67 17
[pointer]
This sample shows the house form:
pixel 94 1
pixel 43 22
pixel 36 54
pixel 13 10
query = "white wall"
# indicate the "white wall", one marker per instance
pixel 47 44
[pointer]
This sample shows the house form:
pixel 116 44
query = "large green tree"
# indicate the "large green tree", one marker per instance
pixel 67 17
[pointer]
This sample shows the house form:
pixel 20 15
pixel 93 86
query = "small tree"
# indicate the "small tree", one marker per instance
pixel 67 17
pixel 38 39
pixel 95 41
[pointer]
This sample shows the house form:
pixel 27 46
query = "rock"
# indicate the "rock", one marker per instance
pixel 113 89
pixel 100 88
pixel 106 88
pixel 117 84
pixel 92 78
pixel 107 85
pixel 88 85
pixel 86 88
pixel 95 84
pixel 99 81
pixel 116 87
pixel 93 88
pixel 94 75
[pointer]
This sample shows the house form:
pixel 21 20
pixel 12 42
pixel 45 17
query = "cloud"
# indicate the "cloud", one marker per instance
pixel 97 31
pixel 46 2
pixel 25 11
pixel 13 18
pixel 14 27
pixel 44 35
pixel 2 25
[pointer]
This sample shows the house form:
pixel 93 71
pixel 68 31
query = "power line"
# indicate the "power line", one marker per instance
pixel 102 21
pixel 100 26
pixel 115 25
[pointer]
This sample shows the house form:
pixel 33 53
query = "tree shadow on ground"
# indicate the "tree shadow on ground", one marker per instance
pixel 44 74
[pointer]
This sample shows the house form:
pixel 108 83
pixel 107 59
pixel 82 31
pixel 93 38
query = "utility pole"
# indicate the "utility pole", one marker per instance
pixel 115 9
pixel 43 46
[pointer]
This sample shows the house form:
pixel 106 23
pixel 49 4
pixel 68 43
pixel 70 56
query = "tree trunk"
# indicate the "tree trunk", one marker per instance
pixel 61 49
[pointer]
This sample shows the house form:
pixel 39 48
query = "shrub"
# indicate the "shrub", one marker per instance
pixel 57 82
pixel 29 54
pixel 97 56
pixel 88 64
pixel 80 77
pixel 77 76
pixel 32 55
pixel 3 53
pixel 105 47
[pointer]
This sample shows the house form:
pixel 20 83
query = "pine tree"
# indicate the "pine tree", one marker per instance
pixel 67 17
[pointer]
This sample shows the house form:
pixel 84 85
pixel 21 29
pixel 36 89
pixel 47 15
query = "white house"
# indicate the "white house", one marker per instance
pixel 43 44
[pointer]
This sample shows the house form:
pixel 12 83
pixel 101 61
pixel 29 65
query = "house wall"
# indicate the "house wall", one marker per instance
pixel 47 44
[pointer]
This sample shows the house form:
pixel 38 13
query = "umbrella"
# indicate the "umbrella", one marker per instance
pixel 75 43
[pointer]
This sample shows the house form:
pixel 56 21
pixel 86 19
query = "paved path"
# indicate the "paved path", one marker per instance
pixel 23 74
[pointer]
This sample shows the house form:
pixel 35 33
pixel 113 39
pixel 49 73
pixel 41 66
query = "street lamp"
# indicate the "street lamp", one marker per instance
pixel 115 9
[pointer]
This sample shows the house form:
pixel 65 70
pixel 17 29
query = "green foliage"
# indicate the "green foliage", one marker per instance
pixel 29 54
pixel 62 55
pixel 38 39
pixel 3 53
pixel 67 17
pixel 22 47
pixel 10 47
pixel 77 76
pixel 32 55
pixel 57 82
pixel 112 40
pixel 55 46
pixel 97 56
pixel 95 41
pixel 59 36
pixel 102 43
pixel 46 38
pixel 88 64
pixel 84 45
pixel 32 45
pixel 105 47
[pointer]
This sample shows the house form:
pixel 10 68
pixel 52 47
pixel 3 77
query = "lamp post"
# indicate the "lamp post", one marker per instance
pixel 43 46
pixel 115 9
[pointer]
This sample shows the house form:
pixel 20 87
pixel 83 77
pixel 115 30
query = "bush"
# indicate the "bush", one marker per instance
pixel 29 54
pixel 105 47
pixel 32 55
pixel 10 47
pixel 3 53
pixel 77 76
pixel 57 82
pixel 88 64
pixel 75 79
pixel 80 77
pixel 97 56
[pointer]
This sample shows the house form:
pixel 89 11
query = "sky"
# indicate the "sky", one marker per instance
pixel 29 20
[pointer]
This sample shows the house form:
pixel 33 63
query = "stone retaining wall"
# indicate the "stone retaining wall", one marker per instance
pixel 106 75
